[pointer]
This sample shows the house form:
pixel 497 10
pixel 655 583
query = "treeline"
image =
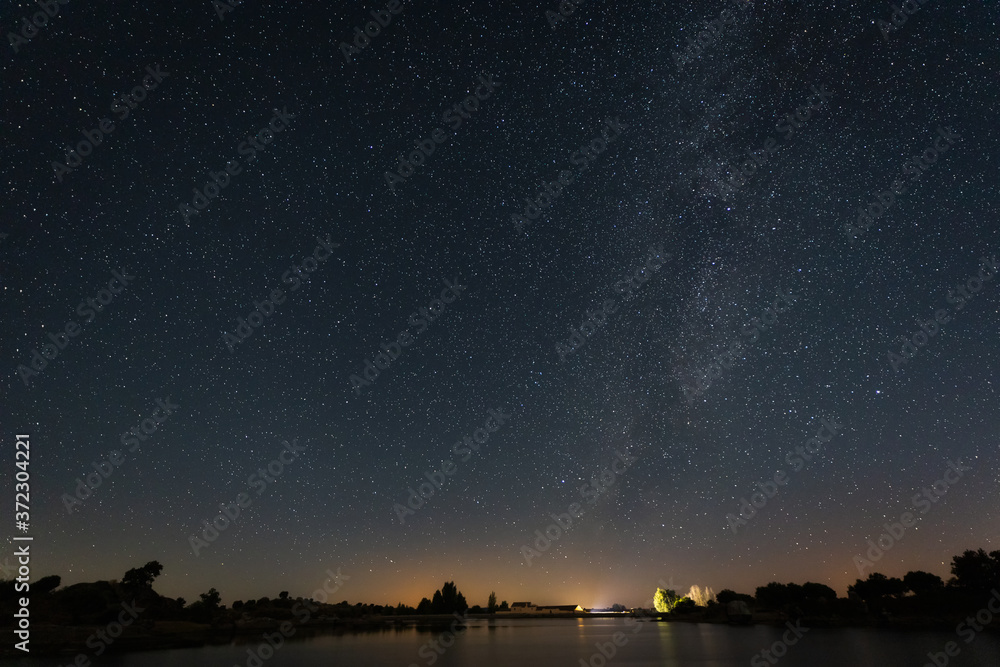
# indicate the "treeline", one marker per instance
pixel 100 602
pixel 975 577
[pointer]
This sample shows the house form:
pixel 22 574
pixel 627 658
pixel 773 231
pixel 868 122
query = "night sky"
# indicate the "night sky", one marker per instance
pixel 663 138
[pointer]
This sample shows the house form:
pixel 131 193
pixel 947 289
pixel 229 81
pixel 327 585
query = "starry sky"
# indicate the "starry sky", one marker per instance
pixel 630 388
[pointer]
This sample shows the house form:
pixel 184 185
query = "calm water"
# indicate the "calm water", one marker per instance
pixel 552 643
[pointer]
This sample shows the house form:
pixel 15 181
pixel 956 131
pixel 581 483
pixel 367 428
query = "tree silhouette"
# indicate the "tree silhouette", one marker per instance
pixel 725 596
pixel 446 600
pixel 491 605
pixel 141 578
pixel 877 586
pixel 773 596
pixel 813 591
pixel 976 571
pixel 46 584
pixel 206 608
pixel 211 599
pixel 922 583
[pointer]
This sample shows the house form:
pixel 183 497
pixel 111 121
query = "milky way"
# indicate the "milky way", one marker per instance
pixel 353 116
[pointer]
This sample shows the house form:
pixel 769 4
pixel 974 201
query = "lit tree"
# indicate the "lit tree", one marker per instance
pixel 701 596
pixel 665 600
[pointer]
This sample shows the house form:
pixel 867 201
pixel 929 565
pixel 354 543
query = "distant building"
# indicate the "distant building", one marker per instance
pixel 545 610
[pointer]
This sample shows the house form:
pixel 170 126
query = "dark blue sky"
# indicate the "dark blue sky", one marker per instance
pixel 322 177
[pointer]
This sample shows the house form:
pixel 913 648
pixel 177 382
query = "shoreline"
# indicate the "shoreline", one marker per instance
pixel 61 641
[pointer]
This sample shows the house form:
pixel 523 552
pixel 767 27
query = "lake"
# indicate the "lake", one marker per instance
pixel 567 642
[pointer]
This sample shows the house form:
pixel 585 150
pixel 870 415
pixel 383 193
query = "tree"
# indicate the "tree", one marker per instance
pixel 726 596
pixel 665 600
pixel 283 595
pixel 207 607
pixel 141 578
pixel 46 585
pixel 976 571
pixel 922 583
pixel 618 607
pixel 181 602
pixel 491 605
pixel 877 586
pixel 503 606
pixel 701 596
pixel 685 606
pixel 424 607
pixel 211 599
pixel 816 592
pixel 773 596
pixel 448 600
